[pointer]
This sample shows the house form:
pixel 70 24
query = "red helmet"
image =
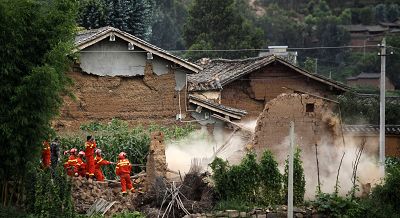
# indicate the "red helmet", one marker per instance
pixel 97 151
pixel 82 153
pixel 122 155
pixel 73 151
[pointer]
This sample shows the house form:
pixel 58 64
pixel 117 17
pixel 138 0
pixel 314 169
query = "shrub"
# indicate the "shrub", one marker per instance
pixel 299 182
pixel 334 205
pixel 249 182
pixel 271 179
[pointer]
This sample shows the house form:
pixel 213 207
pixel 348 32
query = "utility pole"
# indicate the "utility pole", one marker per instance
pixel 290 179
pixel 382 127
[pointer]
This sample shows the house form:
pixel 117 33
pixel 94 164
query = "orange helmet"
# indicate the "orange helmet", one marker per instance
pixel 122 155
pixel 82 153
pixel 73 151
pixel 97 151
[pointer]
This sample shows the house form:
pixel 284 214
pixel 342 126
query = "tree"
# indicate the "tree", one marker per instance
pixel 132 16
pixel 217 24
pixel 271 178
pixel 37 39
pixel 167 29
pixel 393 65
pixel 299 182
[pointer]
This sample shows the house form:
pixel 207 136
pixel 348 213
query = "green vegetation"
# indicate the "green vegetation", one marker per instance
pixel 36 42
pixel 365 110
pixel 217 24
pixel 132 16
pixel 251 184
pixel 299 182
pixel 117 136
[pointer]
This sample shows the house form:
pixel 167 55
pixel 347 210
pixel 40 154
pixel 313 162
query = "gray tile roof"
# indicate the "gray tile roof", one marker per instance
pixel 231 110
pixel 366 76
pixel 371 129
pixel 219 72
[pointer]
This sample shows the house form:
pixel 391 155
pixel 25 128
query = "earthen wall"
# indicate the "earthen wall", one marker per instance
pixel 139 100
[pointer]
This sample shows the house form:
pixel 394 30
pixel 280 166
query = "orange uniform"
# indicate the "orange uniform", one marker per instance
pixel 71 165
pixel 99 161
pixel 123 170
pixel 46 154
pixel 81 167
pixel 90 146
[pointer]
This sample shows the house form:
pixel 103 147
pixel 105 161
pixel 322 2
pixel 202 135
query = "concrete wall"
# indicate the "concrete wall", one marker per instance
pixel 251 92
pixel 143 99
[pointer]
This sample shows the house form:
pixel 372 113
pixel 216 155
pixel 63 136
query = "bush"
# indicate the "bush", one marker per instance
pixel 249 182
pixel 299 182
pixel 334 205
pixel 117 136
pixel 384 200
pixel 271 179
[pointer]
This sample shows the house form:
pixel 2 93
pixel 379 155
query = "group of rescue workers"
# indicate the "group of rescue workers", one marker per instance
pixel 75 166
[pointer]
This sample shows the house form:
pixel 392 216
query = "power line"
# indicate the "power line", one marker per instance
pixel 239 50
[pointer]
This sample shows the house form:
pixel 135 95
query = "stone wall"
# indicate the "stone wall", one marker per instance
pixel 139 100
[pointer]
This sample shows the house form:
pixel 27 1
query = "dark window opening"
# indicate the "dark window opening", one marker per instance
pixel 310 107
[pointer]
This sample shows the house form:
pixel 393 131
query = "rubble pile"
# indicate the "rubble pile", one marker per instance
pixel 86 192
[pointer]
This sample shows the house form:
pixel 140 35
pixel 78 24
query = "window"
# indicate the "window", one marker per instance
pixel 310 107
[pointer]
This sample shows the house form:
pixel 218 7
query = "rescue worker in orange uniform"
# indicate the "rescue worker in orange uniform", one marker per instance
pixel 81 164
pixel 99 162
pixel 71 164
pixel 123 170
pixel 90 146
pixel 46 154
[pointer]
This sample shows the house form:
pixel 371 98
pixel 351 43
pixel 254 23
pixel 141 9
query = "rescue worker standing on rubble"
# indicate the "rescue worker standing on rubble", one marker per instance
pixel 90 146
pixel 123 170
pixel 99 162
pixel 81 165
pixel 46 154
pixel 71 164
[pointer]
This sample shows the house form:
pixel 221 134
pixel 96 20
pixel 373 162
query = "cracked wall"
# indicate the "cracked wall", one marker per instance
pixel 252 91
pixel 139 100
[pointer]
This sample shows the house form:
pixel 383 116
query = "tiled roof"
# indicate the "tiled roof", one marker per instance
pixel 212 104
pixel 84 38
pixel 355 28
pixel 366 76
pixel 371 129
pixel 219 72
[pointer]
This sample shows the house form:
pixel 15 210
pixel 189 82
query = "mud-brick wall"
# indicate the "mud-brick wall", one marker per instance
pixel 252 91
pixel 272 130
pixel 139 99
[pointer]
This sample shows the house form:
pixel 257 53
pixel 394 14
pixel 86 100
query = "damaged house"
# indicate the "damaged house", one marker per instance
pixel 118 75
pixel 245 86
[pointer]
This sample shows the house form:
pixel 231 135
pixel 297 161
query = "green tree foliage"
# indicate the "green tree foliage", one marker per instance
pixel 299 182
pixel 270 179
pixel 281 27
pixel 385 197
pixel 117 136
pixel 217 24
pixel 132 16
pixel 168 20
pixel 36 39
pixel 365 110
pixel 52 196
pixel 250 183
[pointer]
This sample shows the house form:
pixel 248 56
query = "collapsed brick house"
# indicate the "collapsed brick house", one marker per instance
pixel 118 75
pixel 245 86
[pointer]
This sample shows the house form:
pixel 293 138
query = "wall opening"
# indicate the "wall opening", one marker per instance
pixel 310 107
